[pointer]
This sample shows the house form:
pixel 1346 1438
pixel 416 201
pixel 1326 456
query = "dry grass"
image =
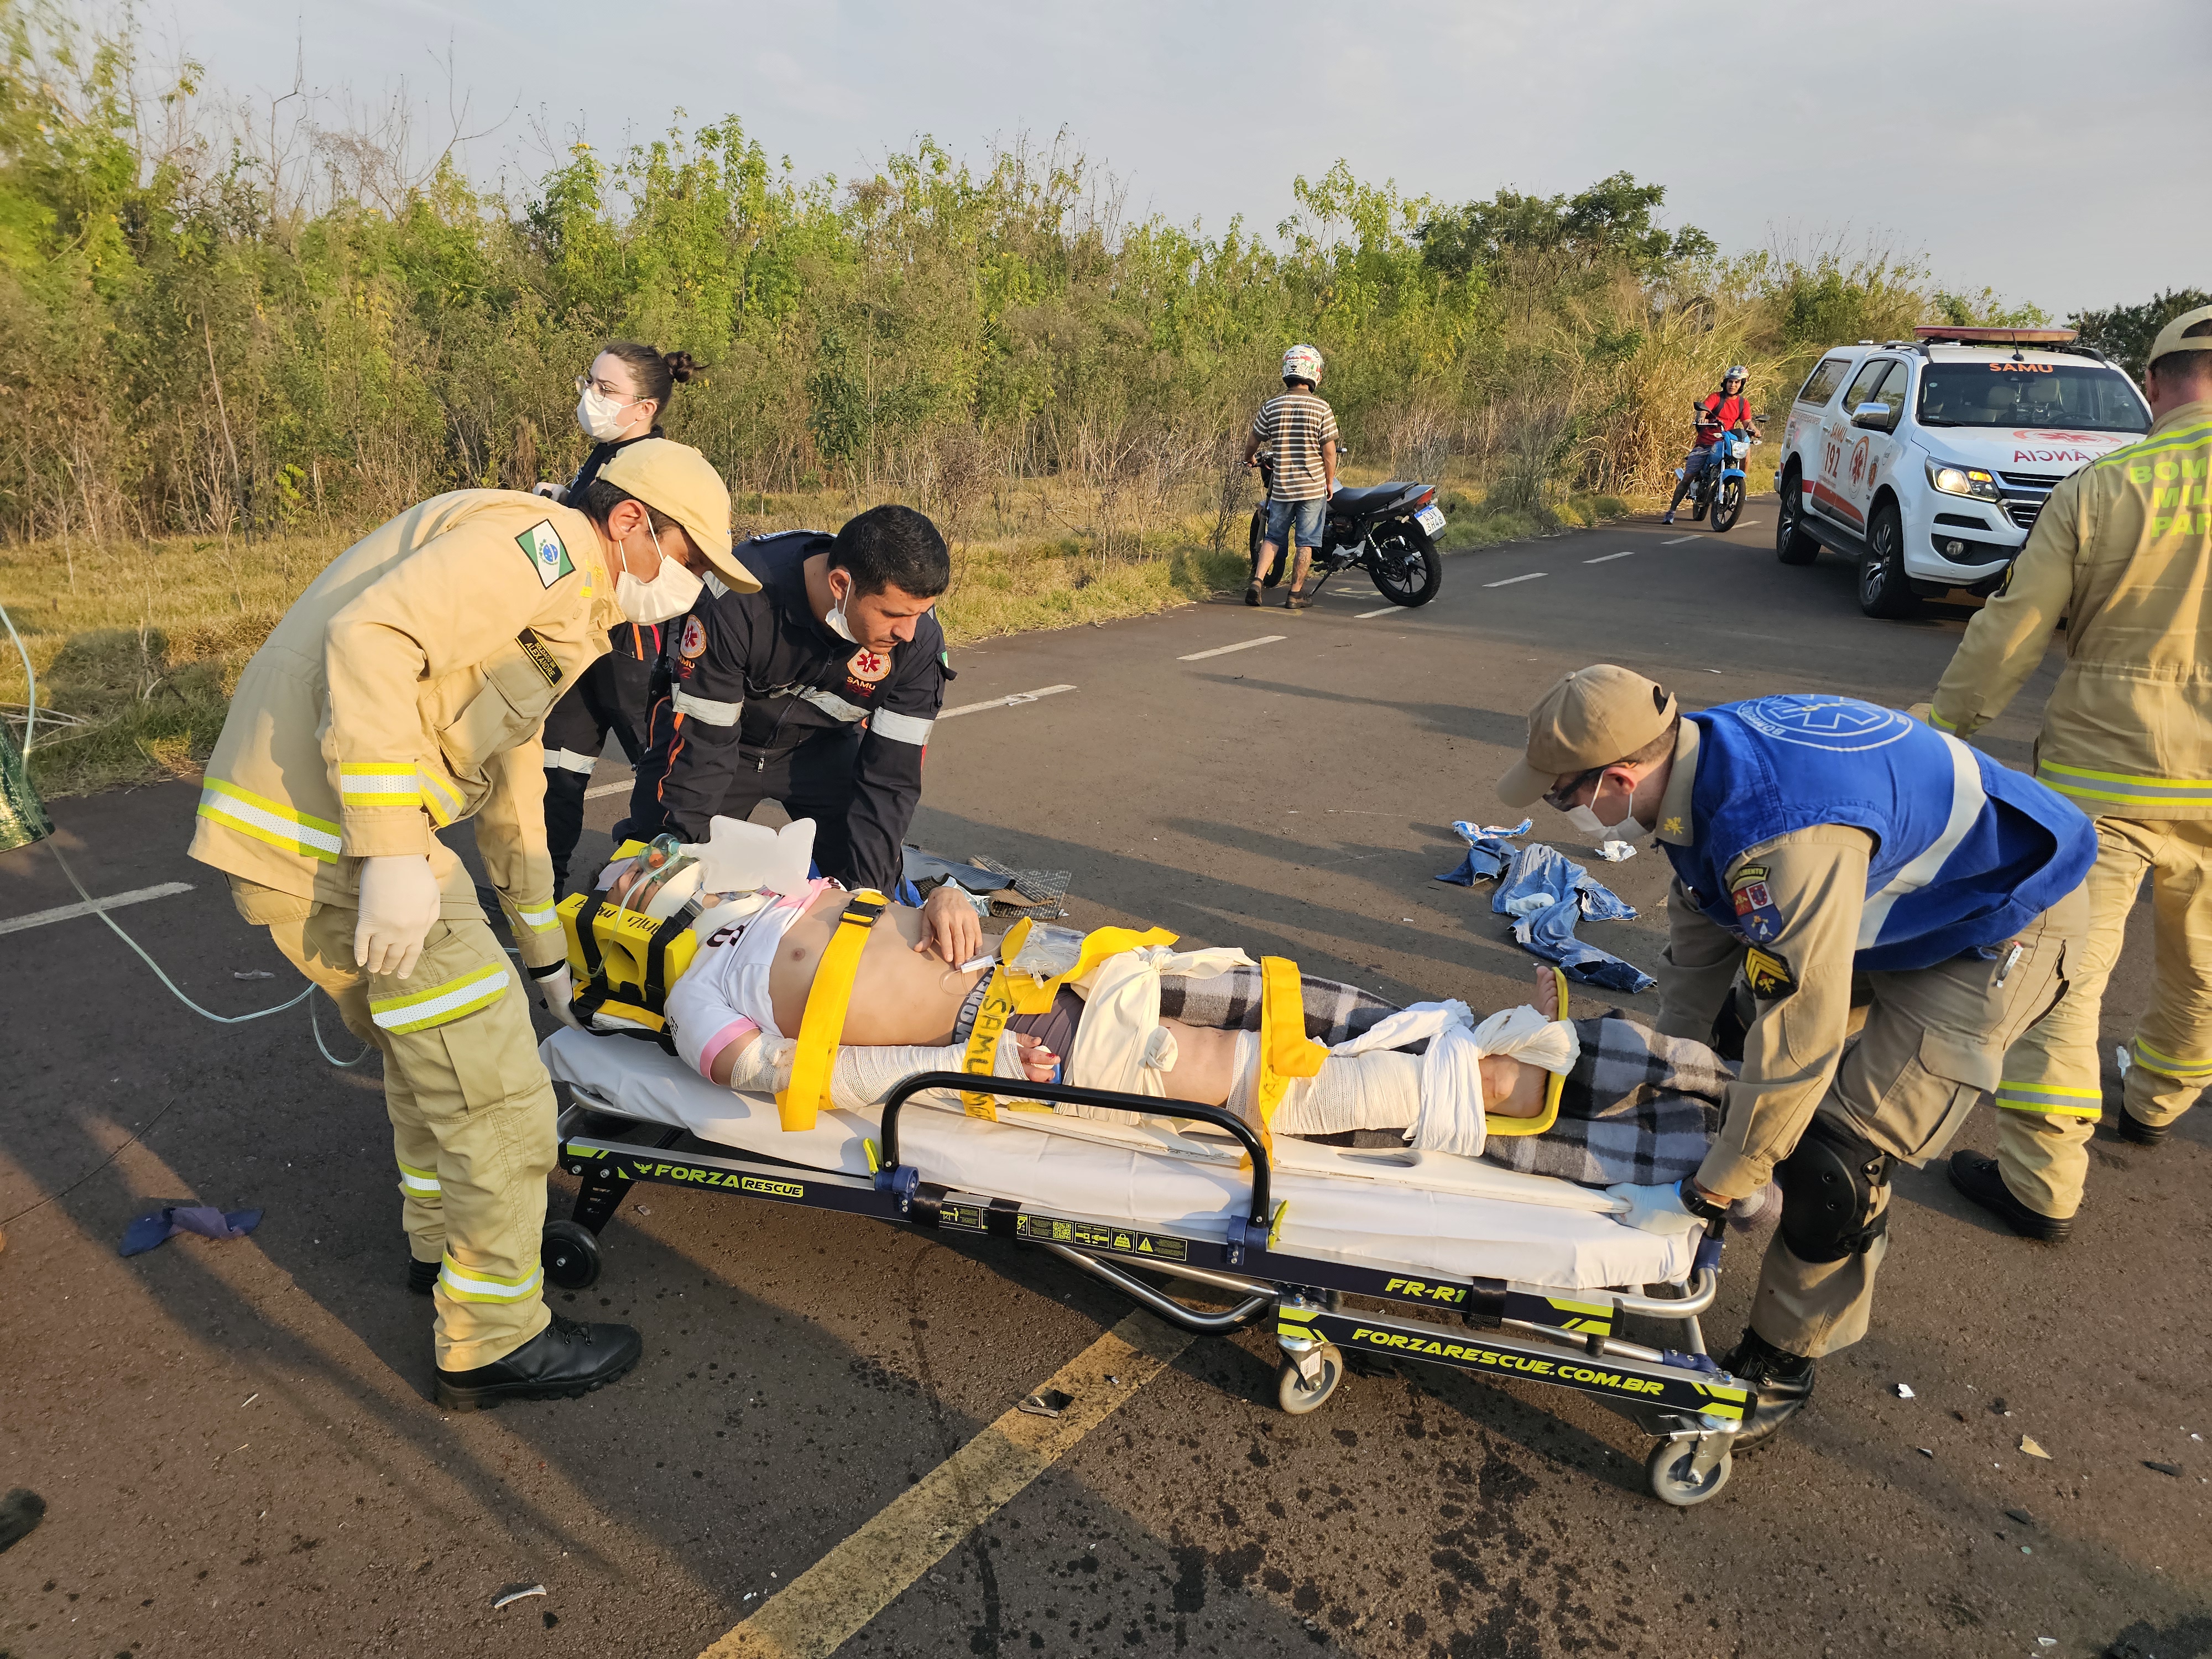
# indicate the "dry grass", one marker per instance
pixel 138 647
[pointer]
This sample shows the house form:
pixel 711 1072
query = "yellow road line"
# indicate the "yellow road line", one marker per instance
pixel 836 1597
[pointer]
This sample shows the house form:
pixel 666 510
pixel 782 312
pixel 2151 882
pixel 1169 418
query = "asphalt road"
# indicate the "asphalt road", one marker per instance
pixel 238 1456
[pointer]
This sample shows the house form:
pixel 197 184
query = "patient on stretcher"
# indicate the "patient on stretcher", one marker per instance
pixel 1631 1105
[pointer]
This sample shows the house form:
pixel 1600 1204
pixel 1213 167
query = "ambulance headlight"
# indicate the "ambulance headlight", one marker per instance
pixel 1962 481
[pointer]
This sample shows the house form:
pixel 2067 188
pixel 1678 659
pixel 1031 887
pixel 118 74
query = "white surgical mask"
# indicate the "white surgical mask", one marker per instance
pixel 1588 823
pixel 838 625
pixel 600 415
pixel 668 594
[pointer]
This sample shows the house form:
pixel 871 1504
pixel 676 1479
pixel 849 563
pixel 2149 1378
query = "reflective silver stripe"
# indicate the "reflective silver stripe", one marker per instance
pixel 706 709
pixel 901 728
pixel 717 586
pixel 568 760
pixel 833 705
pixel 1967 800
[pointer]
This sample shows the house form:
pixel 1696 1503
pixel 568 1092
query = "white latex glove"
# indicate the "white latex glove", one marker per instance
pixel 398 906
pixel 554 991
pixel 1655 1209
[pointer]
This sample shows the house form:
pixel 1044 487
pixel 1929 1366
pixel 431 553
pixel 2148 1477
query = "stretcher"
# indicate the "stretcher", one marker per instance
pixel 1433 1260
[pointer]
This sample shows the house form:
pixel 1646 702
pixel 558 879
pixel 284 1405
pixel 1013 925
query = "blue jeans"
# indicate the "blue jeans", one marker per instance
pixel 1303 517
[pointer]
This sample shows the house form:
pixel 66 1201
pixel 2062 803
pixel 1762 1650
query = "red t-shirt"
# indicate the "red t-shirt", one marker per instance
pixel 1721 414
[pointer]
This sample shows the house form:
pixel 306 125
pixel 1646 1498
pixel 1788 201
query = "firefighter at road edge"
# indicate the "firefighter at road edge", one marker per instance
pixel 403 692
pixel 2123 552
pixel 1816 842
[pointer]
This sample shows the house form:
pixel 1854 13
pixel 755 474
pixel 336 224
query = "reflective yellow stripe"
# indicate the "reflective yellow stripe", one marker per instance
pixel 441 1004
pixel 824 1021
pixel 1939 722
pixel 467 1285
pixel 2167 1066
pixel 379 783
pixel 412 1180
pixel 2127 788
pixel 542 918
pixel 233 808
pixel 441 802
pixel 2052 1099
pixel 2182 437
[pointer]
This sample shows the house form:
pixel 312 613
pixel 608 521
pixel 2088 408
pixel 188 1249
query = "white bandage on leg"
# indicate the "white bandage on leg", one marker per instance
pixel 763 1067
pixel 1381 1089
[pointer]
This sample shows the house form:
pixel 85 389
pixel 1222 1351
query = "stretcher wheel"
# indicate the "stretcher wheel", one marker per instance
pixel 1295 1395
pixel 570 1255
pixel 1668 1473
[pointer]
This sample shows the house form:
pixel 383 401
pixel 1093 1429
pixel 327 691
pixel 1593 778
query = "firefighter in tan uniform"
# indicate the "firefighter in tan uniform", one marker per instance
pixel 2123 553
pixel 403 692
pixel 1815 840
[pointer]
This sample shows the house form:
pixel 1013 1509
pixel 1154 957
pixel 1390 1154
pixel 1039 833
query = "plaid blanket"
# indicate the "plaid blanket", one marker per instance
pixel 1638 1107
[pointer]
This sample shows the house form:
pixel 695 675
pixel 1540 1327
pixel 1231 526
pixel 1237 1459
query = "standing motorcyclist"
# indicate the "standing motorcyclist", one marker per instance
pixel 1718 414
pixel 1301 430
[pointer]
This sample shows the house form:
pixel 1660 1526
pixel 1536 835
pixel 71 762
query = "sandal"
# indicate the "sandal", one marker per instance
pixel 1295 601
pixel 1252 594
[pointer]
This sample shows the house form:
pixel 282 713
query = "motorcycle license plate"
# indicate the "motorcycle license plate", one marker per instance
pixel 1431 519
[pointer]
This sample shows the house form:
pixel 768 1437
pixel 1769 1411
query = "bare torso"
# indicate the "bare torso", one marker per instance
pixel 900 997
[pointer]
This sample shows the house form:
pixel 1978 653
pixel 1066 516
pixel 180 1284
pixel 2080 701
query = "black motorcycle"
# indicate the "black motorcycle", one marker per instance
pixel 1389 529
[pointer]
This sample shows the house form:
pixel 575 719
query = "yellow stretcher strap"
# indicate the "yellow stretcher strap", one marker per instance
pixel 823 1022
pixel 984 1041
pixel 1544 1119
pixel 1286 1050
pixel 1035 996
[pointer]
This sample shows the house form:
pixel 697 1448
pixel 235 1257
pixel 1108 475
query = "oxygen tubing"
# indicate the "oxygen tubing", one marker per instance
pixel 30 722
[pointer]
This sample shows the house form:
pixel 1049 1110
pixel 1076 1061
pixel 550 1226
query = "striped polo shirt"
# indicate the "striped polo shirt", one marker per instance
pixel 1297 424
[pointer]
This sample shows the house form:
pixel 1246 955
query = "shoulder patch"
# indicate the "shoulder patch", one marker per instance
pixel 1769 975
pixel 1755 912
pixel 693 643
pixel 548 555
pixel 540 658
pixel 868 666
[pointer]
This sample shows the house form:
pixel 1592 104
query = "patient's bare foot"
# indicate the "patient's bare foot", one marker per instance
pixel 1546 1000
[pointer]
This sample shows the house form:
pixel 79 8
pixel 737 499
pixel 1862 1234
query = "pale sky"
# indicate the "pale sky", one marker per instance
pixel 2052 151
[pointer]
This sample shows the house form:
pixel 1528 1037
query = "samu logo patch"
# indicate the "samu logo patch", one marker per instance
pixel 548 557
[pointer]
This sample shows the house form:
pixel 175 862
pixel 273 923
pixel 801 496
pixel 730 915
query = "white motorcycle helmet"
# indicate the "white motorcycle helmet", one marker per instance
pixel 1301 362
pixel 1736 373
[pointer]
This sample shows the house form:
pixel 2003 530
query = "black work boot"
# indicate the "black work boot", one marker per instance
pixel 1975 1174
pixel 421 1276
pixel 2133 1128
pixel 1781 1383
pixel 565 1361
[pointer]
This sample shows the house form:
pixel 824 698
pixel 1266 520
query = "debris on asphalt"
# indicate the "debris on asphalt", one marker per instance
pixel 2022 1516
pixel 250 1398
pixel 2033 1450
pixel 1904 1391
pixel 1047 1402
pixel 1924 1451
pixel 258 973
pixel 21 1511
pixel 2174 1469
pixel 148 1231
pixel 1997 1405
pixel 508 1598
pixel 1614 851
pixel 1487 855
pixel 2046 1641
pixel 2121 1058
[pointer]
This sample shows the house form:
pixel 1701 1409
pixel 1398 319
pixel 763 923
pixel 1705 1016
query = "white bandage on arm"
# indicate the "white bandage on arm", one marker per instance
pixel 763 1067
pixel 1381 1089
pixel 864 1077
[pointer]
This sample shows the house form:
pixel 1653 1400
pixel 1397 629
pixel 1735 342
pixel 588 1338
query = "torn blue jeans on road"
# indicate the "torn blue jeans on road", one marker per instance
pixel 1487 855
pixel 1549 893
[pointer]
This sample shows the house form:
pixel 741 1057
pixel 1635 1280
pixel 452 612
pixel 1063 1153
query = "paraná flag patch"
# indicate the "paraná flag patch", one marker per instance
pixel 548 557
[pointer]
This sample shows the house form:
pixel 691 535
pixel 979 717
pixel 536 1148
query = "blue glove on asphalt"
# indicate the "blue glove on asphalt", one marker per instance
pixel 1655 1209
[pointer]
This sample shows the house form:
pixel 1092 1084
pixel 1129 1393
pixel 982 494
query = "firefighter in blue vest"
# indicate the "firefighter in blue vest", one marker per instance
pixel 1819 841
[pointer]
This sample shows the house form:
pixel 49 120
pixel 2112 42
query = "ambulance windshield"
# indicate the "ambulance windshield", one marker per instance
pixel 1995 390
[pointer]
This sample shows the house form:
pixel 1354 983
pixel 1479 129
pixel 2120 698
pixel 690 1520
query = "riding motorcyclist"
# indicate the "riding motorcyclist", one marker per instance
pixel 1719 413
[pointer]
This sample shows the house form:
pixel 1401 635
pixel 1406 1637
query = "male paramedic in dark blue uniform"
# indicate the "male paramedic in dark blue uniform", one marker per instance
pixel 818 691
pixel 1817 840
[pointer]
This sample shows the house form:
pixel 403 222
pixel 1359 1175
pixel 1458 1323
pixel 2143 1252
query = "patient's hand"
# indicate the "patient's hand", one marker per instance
pixel 1038 1062
pixel 949 926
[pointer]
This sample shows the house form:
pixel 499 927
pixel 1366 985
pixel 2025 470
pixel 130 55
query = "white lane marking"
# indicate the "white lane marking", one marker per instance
pixel 1608 558
pixel 1510 581
pixel 1385 611
pixel 1679 540
pixel 1002 702
pixel 1223 650
pixel 70 912
pixel 608 789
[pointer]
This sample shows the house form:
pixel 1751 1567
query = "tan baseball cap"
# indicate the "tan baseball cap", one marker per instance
pixel 1593 717
pixel 2170 338
pixel 676 480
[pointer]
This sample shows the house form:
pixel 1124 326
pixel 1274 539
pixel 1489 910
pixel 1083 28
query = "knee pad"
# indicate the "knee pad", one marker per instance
pixel 1831 1184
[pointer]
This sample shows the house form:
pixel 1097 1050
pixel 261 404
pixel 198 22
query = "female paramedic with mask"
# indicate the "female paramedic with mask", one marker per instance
pixel 402 692
pixel 619 402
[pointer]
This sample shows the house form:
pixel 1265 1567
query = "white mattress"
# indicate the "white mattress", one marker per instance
pixel 1455 1217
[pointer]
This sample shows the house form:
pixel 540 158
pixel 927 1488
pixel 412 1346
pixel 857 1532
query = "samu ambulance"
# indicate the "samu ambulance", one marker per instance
pixel 1926 460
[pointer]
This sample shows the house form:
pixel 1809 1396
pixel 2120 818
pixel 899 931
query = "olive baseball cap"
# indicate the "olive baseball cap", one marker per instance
pixel 676 480
pixel 1594 717
pixel 2170 338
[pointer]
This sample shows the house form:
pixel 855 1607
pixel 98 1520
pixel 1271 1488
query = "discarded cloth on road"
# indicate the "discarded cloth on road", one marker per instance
pixel 148 1231
pixel 1573 897
pixel 1487 855
pixel 1004 890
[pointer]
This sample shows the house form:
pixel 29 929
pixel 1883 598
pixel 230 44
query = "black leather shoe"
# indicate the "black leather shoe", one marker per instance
pixel 1975 1174
pixel 421 1275
pixel 565 1361
pixel 2132 1127
pixel 1781 1383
